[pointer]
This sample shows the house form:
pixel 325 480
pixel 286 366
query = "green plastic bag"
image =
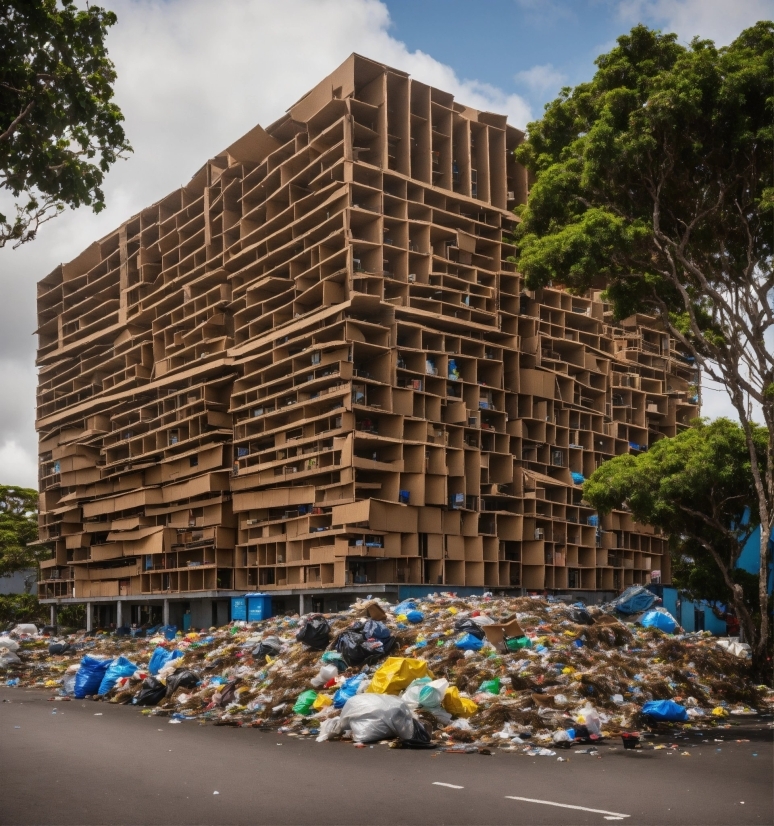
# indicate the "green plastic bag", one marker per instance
pixel 492 686
pixel 305 702
pixel 517 643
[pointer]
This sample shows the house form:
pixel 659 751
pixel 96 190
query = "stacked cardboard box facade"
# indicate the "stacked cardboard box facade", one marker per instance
pixel 315 367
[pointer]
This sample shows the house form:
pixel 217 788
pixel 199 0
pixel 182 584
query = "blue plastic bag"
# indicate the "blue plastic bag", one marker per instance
pixel 634 600
pixel 415 616
pixel 160 657
pixel 348 689
pixel 467 642
pixel 89 676
pixel 377 630
pixel 169 631
pixel 120 667
pixel 404 607
pixel 662 620
pixel 666 710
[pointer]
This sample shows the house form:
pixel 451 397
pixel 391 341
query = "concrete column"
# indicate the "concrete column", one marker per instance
pixel 88 617
pixel 165 613
pixel 301 605
pixel 53 614
pixel 119 613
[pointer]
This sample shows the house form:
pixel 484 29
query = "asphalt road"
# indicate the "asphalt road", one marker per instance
pixel 95 763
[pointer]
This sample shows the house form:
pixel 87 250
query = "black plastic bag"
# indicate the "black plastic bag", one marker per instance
pixel 181 677
pixel 58 648
pixel 468 626
pixel 152 692
pixel 421 738
pixel 358 650
pixel 581 616
pixel 314 632
pixel 270 646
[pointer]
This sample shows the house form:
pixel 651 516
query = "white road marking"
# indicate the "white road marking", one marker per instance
pixel 448 785
pixel 616 815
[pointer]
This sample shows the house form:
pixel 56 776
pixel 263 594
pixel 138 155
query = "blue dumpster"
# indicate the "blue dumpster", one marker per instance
pixel 258 607
pixel 238 608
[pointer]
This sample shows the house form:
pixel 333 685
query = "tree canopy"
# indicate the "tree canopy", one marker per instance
pixel 655 182
pixel 18 526
pixel 59 129
pixel 697 487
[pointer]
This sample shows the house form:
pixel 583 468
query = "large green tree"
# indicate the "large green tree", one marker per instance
pixel 696 486
pixel 654 180
pixel 59 129
pixel 18 526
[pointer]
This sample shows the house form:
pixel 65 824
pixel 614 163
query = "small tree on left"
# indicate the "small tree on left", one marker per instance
pixel 59 129
pixel 18 526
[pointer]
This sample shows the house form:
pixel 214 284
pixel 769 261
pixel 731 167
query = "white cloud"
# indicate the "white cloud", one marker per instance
pixel 718 20
pixel 193 76
pixel 17 466
pixel 541 80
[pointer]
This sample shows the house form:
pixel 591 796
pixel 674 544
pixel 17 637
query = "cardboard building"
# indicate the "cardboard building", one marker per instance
pixel 314 370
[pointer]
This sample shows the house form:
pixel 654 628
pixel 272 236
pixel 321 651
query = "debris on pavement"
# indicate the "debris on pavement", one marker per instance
pixel 527 674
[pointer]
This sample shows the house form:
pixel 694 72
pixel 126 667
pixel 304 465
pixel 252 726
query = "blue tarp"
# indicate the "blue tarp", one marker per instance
pixel 415 616
pixel 666 710
pixel 634 600
pixel 660 619
pixel 160 657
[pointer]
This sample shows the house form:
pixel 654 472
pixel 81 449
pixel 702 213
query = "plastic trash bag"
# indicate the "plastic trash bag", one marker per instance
pixel 334 658
pixel 68 681
pixel 357 650
pixel 89 676
pixel 348 689
pixel 468 642
pixel 120 667
pixel 589 717
pixel 181 677
pixel 469 626
pixel 580 616
pixel 415 617
pixel 375 629
pixel 160 657
pixel 322 701
pixel 659 618
pixel 268 646
pixel 665 710
pixel 491 686
pixel 517 643
pixel 457 705
pixel 396 674
pixel 325 675
pixel 26 629
pixel 151 693
pixel 314 632
pixel 305 702
pixel 58 648
pixel 9 644
pixel 372 717
pixel 8 658
pixel 426 693
pixel 634 600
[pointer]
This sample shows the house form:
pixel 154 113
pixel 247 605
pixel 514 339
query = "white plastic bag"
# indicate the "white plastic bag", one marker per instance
pixel 8 658
pixel 326 673
pixel 589 717
pixel 26 628
pixel 372 717
pixel 9 644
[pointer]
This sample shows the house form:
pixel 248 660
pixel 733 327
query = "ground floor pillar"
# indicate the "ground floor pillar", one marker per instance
pixel 88 617
pixel 119 613
pixel 53 614
pixel 165 613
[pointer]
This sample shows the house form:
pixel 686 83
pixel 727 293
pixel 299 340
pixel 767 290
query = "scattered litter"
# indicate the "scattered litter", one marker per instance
pixel 463 675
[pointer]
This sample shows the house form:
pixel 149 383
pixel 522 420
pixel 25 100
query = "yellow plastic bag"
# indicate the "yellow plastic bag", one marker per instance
pixel 719 712
pixel 322 701
pixel 456 705
pixel 396 674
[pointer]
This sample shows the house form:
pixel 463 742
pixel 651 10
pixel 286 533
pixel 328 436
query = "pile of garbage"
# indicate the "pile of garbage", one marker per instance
pixel 460 673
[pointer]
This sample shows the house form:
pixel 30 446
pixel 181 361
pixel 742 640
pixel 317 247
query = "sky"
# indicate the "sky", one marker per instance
pixel 194 75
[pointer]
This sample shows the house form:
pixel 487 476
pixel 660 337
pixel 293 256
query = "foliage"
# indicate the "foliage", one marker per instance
pixel 697 487
pixel 18 526
pixel 16 608
pixel 655 182
pixel 59 130
pixel 71 616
